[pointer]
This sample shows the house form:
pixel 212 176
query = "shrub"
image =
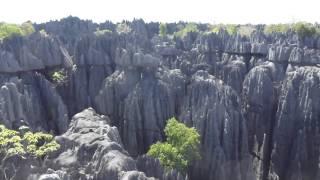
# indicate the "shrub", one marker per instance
pixel 102 32
pixel 190 27
pixel 9 30
pixel 26 143
pixel 246 30
pixel 27 28
pixel 123 28
pixel 230 28
pixel 180 149
pixel 162 29
pixel 58 76
pixel 276 28
pixel 43 32
pixel 304 29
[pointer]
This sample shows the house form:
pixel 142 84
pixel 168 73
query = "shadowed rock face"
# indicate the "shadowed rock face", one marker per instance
pixel 29 99
pixel 254 99
pixel 38 52
pixel 259 101
pixel 140 99
pixel 295 152
pixel 214 109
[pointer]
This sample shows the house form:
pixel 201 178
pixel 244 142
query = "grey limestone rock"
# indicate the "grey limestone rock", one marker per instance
pixel 91 149
pixel 38 52
pixel 279 54
pixel 140 102
pixel 254 98
pixel 213 108
pixel 295 153
pixel 33 101
pixel 259 99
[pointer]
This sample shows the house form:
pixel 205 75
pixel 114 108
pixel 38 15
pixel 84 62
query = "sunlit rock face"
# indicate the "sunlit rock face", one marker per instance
pixel 252 96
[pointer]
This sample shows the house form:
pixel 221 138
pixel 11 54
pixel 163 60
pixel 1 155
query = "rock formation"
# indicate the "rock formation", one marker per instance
pixel 254 99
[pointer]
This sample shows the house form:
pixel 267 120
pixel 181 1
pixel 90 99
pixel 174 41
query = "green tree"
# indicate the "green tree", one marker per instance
pixel 162 29
pixel 123 28
pixel 230 28
pixel 8 30
pixel 190 27
pixel 27 28
pixel 276 28
pixel 304 29
pixel 24 143
pixel 58 76
pixel 181 147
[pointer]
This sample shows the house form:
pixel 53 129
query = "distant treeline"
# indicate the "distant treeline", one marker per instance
pixel 178 30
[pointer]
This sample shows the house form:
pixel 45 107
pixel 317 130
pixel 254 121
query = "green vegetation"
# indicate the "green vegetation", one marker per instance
pixel 162 29
pixel 246 30
pixel 276 28
pixel 58 76
pixel 26 143
pixel 188 28
pixel 180 149
pixel 43 32
pixel 304 29
pixel 230 28
pixel 123 28
pixel 102 32
pixel 9 30
pixel 27 28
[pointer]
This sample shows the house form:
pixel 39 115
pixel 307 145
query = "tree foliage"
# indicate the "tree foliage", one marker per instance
pixel 58 76
pixel 102 32
pixel 188 28
pixel 162 29
pixel 246 30
pixel 25 143
pixel 27 28
pixel 230 28
pixel 123 28
pixel 276 28
pixel 304 29
pixel 181 147
pixel 9 30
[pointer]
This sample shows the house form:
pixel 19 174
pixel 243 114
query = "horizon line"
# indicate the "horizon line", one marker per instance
pixel 214 22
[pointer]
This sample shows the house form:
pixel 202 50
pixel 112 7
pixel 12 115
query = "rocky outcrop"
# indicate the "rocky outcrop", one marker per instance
pixel 295 152
pixel 38 52
pixel 33 101
pixel 94 60
pixel 139 99
pixel 252 97
pixel 91 149
pixel 259 100
pixel 305 57
pixel 214 109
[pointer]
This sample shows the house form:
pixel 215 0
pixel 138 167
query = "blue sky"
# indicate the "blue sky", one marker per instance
pixel 212 11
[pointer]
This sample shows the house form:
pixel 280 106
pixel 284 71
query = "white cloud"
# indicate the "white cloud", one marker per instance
pixel 213 11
